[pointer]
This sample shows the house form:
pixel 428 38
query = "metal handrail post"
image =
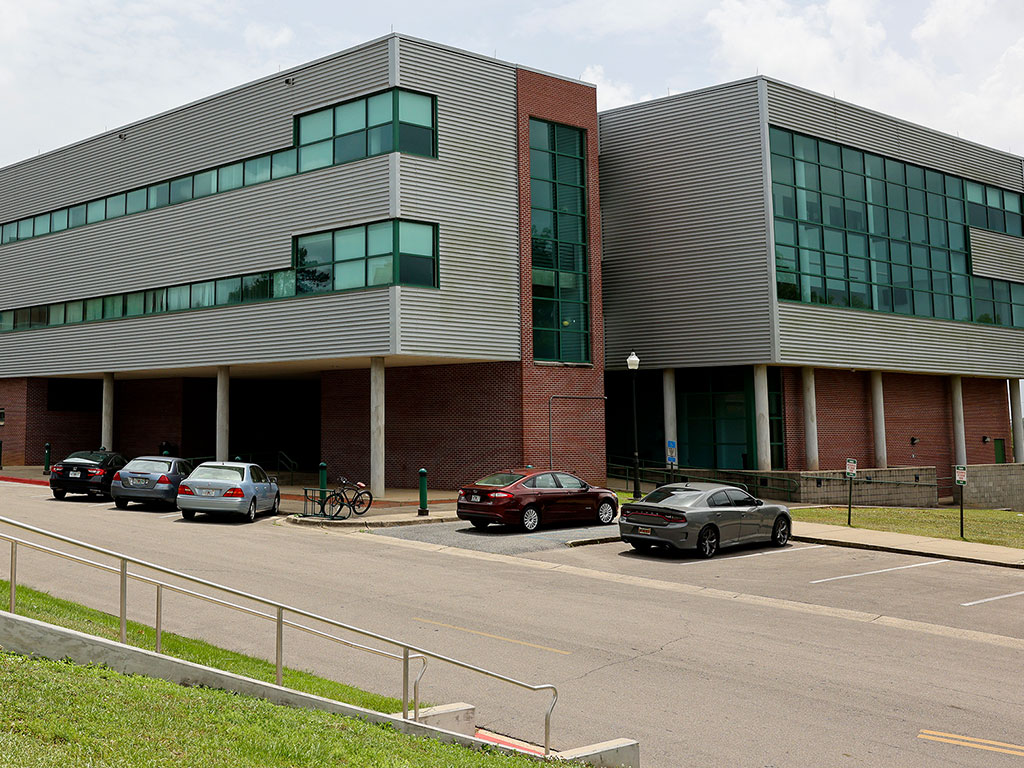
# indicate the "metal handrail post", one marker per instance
pixel 405 683
pixel 159 614
pixel 416 690
pixel 124 601
pixel 280 645
pixel 547 719
pixel 14 572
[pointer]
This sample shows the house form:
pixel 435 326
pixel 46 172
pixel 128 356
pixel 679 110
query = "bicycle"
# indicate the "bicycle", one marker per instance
pixel 347 498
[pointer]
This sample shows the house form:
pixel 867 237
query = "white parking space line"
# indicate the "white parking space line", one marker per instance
pixel 171 514
pixel 776 552
pixel 990 599
pixel 884 570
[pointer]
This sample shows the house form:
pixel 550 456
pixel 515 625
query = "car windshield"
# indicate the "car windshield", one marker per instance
pixel 218 472
pixel 148 465
pixel 500 479
pixel 679 496
pixel 93 457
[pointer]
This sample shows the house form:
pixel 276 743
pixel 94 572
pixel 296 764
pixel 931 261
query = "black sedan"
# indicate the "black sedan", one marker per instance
pixel 89 472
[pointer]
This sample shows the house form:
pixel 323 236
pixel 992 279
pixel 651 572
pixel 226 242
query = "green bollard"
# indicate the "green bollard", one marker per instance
pixel 46 459
pixel 423 494
pixel 323 480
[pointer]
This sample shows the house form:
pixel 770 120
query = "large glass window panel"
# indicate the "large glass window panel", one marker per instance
pixel 6 320
pixel 41 225
pixel 785 257
pixel 56 314
pixel 204 183
pixel 937 232
pixel 782 169
pixel 569 169
pixel 113 306
pixel 856 216
pixel 832 211
pixel 379 109
pixel 229 290
pixel 316 127
pixel 805 148
pixel 541 165
pixel 572 257
pixel 136 201
pixel 918 229
pixel 933 182
pixel 570 228
pixel 878 220
pixel 829 154
pixel 874 166
pixel 350 147
pixel 936 206
pixel 257 170
pixel 896 195
pixel 135 303
pixel 922 304
pixel 808 204
pixel 544 253
pixel 942 306
pixel 313 156
pixel 204 294
pixel 916 201
pixel 853 186
pixel 540 135
pixel 10 232
pixel 899 252
pixel 415 270
pixel 810 236
pixel 256 287
pixel 229 177
pixel 159 195
pixel 416 109
pixel 835 265
pixel 894 171
pixel 915 177
pixel 838 295
pixel 856 245
pixel 853 160
pixel 900 276
pixel 542 223
pixel 284 163
pixel 816 287
pixel 416 238
pixel 568 141
pixel 181 190
pixel 806 174
pixel 572 316
pixel 975 192
pixel 882 296
pixel 379 238
pixel 349 274
pixel 542 194
pixel 76 216
pixel 115 206
pixel 787 286
pixel 857 268
pixel 875 191
pixel 74 311
pixel 25 227
pixel 178 298
pixel 860 295
pixel 416 140
pixel 1011 202
pixel 284 283
pixel 95 211
pixel 545 313
pixel 380 140
pixel 993 197
pixel 379 270
pixel 984 311
pixel 58 220
pixel 545 345
pixel 156 301
pixel 954 187
pixel 919 256
pixel 573 287
pixel 1013 224
pixel 314 249
pixel 977 215
pixel 996 219
pixel 574 347
pixel 811 262
pixel 834 241
pixel 961 285
pixel 350 243
pixel 350 117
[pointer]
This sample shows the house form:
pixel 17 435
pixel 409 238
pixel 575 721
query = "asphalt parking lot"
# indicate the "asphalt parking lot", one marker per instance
pixel 498 539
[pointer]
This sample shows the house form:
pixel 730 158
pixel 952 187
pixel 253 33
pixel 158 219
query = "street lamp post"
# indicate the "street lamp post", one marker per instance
pixel 633 362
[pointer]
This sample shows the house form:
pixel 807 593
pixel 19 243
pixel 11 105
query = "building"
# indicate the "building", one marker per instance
pixel 384 259
pixel 806 281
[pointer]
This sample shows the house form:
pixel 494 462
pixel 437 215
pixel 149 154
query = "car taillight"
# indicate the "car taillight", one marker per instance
pixel 58 468
pixel 462 493
pixel 501 495
pixel 163 479
pixel 117 477
pixel 94 472
pixel 184 490
pixel 234 493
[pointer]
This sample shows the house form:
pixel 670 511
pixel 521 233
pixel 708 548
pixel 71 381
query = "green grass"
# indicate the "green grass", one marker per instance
pixel 52 610
pixel 984 526
pixel 55 713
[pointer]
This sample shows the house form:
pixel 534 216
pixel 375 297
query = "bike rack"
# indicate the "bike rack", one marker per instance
pixel 408 652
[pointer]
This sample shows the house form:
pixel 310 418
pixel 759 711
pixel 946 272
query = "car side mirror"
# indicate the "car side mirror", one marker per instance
pixel 758 502
pixel 273 479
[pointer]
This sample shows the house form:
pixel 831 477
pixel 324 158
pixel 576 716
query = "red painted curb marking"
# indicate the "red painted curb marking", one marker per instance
pixel 502 742
pixel 26 480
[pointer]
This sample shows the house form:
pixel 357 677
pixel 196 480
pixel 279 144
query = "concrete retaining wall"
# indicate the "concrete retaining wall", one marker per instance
pixel 993 486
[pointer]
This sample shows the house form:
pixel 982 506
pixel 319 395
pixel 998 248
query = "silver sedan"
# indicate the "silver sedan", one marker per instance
pixel 703 517
pixel 228 486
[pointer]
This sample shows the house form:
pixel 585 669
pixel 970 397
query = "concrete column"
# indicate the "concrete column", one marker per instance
pixel 223 411
pixel 878 420
pixel 810 418
pixel 764 443
pixel 668 388
pixel 377 426
pixel 107 422
pixel 959 439
pixel 1017 421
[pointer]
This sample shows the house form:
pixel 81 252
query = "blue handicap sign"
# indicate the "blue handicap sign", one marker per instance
pixel 671 443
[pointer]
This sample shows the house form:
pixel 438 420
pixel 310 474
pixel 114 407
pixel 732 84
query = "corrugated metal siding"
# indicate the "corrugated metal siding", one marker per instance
pixel 245 230
pixel 242 122
pixel 818 115
pixel 471 191
pixel 333 325
pixel 827 336
pixel 686 272
pixel 997 255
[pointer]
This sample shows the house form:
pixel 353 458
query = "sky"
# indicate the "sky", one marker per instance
pixel 70 70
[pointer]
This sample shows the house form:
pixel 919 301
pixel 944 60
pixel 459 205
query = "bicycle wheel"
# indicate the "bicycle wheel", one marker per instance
pixel 361 502
pixel 335 507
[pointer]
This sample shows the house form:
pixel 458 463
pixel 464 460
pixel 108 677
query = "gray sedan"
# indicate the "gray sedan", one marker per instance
pixel 228 486
pixel 149 478
pixel 702 516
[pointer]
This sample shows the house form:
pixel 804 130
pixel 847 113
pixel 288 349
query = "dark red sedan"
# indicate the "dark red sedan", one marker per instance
pixel 525 497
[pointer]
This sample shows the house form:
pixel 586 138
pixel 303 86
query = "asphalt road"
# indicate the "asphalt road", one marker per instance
pixel 805 656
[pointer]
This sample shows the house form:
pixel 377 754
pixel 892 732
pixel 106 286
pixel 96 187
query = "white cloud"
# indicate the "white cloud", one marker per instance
pixel 611 93
pixel 265 36
pixel 612 18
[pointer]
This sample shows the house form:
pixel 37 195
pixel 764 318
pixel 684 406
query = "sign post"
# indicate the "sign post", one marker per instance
pixel 960 477
pixel 851 472
pixel 671 459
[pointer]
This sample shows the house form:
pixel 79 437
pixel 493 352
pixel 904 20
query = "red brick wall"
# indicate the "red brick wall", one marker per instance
pixel 918 406
pixel 986 414
pixel 146 413
pixel 459 422
pixel 793 419
pixel 14 401
pixel 65 431
pixel 579 432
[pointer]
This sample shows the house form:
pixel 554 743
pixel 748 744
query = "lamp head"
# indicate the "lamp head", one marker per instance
pixel 633 361
pixel 913 441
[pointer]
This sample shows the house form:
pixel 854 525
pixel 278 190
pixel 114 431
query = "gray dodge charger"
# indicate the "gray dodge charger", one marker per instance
pixel 702 516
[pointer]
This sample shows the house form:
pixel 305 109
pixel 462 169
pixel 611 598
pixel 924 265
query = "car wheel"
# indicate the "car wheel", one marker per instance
pixel 640 546
pixel 530 519
pixel 605 513
pixel 480 524
pixel 250 516
pixel 188 514
pixel 277 505
pixel 780 533
pixel 59 494
pixel 707 541
pixel 121 503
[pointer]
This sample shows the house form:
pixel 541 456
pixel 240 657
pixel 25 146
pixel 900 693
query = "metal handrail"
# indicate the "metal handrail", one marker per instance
pixel 408 651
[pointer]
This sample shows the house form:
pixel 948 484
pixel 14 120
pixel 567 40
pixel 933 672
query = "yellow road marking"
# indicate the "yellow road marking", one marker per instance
pixel 493 637
pixel 970 741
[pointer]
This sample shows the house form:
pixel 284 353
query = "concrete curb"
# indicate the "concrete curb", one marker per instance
pixel 24 480
pixel 585 542
pixel 363 523
pixel 905 551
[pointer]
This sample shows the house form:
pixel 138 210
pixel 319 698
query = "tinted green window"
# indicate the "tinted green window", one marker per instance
pixel 379 109
pixel 74 311
pixel 158 195
pixel 136 201
pixel 58 220
pixel 350 243
pixel 416 109
pixel 96 211
pixel 204 184
pixel 415 140
pixel 284 283
pixel 229 177
pixel 181 190
pixel 380 140
pixel 350 117
pixel 316 156
pixel 350 147
pixel 115 206
pixel 178 297
pixel 256 287
pixel 257 170
pixel 76 216
pixel 229 290
pixel 42 224
pixel 203 294
pixel 314 249
pixel 135 303
pixel 94 309
pixel 25 227
pixel 56 314
pixel 284 163
pixel 316 127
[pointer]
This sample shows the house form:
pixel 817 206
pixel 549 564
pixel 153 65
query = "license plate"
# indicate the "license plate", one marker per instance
pixel 74 473
pixel 645 531
pixel 474 498
pixel 207 492
pixel 138 480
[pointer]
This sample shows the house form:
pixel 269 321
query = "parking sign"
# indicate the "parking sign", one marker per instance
pixel 960 473
pixel 851 467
